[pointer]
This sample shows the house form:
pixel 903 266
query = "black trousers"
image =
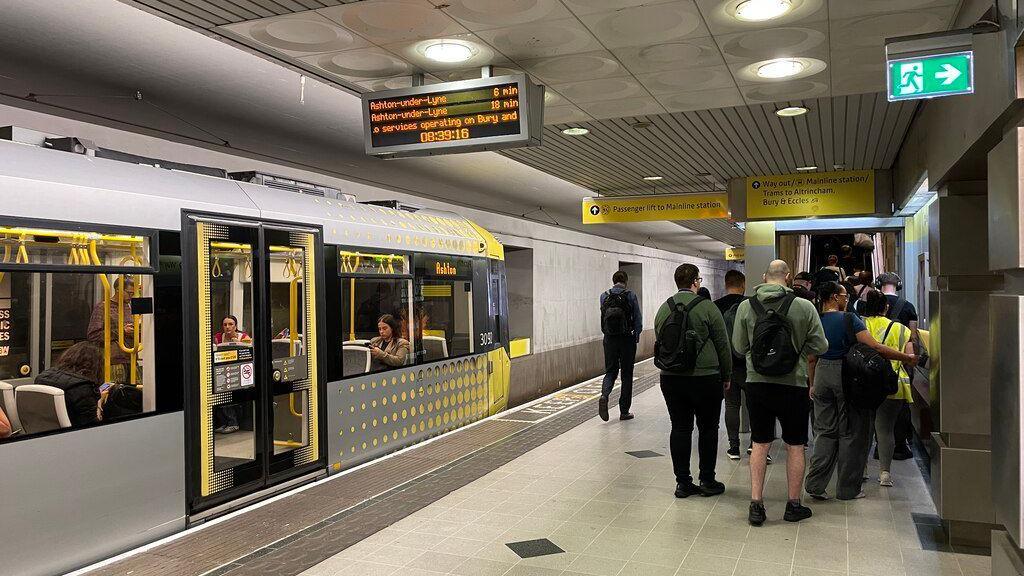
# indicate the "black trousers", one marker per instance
pixel 619 353
pixel 689 399
pixel 734 401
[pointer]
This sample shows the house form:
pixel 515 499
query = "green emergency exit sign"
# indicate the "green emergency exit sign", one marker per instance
pixel 931 76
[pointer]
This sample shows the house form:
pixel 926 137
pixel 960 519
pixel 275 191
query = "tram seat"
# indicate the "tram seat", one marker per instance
pixel 435 348
pixel 41 408
pixel 355 360
pixel 281 347
pixel 9 405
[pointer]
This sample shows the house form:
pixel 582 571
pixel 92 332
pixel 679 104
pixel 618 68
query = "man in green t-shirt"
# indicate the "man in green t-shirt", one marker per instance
pixel 696 394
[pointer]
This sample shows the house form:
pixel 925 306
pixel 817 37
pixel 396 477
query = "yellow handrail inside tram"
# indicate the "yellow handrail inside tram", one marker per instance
pixel 94 256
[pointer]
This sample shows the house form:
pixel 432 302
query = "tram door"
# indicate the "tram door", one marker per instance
pixel 253 401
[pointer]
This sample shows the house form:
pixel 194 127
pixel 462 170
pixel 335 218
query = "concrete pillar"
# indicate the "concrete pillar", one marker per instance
pixel 759 243
pixel 1005 241
pixel 961 361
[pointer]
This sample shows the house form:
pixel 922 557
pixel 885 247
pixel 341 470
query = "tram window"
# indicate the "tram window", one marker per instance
pixel 444 306
pixel 287 313
pixel 74 333
pixel 364 302
pixel 77 293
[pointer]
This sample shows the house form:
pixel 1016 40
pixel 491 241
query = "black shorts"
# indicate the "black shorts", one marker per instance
pixel 768 402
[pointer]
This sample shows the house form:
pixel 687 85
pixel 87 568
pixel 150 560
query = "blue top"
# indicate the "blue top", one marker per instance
pixel 638 321
pixel 835 332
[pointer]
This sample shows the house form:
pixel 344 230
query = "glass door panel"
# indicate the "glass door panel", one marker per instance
pixel 292 391
pixel 255 412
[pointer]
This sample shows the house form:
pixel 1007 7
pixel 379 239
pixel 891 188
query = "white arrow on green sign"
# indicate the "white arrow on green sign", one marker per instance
pixel 931 76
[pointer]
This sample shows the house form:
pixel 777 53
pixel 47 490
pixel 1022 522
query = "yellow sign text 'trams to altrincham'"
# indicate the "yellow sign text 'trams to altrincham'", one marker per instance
pixel 811 194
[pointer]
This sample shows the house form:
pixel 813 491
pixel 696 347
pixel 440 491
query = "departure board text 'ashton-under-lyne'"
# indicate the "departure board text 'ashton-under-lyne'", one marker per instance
pixel 460 115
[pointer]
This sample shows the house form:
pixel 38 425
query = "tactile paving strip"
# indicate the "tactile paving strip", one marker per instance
pixel 295 533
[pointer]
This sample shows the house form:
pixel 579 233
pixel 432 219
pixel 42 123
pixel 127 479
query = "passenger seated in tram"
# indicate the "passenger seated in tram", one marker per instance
pixel 388 349
pixel 5 425
pixel 79 373
pixel 230 334
pixel 120 299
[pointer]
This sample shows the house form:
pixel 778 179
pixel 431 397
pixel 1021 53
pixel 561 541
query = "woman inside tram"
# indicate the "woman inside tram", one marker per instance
pixel 388 349
pixel 119 306
pixel 230 334
pixel 79 373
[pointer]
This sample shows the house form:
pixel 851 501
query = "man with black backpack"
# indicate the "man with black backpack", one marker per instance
pixel 692 350
pixel 777 331
pixel 621 324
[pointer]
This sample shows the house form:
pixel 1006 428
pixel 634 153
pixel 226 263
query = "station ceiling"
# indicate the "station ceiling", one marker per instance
pixel 680 68
pixel 666 87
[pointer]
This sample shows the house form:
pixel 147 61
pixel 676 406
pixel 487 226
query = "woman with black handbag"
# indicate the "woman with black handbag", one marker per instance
pixel 842 431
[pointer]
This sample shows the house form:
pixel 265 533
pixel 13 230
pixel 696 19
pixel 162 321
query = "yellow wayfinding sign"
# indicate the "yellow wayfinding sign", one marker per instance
pixel 659 207
pixel 735 254
pixel 811 194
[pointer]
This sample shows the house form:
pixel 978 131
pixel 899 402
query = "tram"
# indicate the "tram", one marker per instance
pixel 247 339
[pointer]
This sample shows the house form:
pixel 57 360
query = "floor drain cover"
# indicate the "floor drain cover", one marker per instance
pixel 532 548
pixel 644 454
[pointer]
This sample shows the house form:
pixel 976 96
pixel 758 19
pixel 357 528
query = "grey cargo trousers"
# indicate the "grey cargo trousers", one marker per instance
pixel 842 434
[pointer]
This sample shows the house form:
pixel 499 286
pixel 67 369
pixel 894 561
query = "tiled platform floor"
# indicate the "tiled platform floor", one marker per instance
pixel 614 514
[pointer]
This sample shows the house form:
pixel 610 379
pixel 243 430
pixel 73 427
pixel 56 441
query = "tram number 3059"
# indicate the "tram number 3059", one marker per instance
pixel 486 338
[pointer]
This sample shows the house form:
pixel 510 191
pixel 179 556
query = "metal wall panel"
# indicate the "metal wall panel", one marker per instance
pixel 1004 202
pixel 374 414
pixel 963 352
pixel 1007 313
pixel 75 498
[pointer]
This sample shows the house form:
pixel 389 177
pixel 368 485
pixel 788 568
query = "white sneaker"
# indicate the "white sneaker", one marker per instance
pixel 885 479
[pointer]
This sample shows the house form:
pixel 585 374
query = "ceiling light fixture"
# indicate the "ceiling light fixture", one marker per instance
pixel 653 178
pixel 576 131
pixel 790 111
pixel 780 68
pixel 641 125
pixel 448 52
pixel 806 168
pixel 761 10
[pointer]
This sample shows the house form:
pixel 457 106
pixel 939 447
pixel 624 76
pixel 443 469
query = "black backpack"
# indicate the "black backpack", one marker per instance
pixel 677 345
pixel 771 346
pixel 867 377
pixel 616 314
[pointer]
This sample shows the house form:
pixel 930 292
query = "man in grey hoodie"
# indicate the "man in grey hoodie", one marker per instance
pixel 782 397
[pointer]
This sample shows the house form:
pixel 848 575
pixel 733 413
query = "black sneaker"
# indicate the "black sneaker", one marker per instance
pixel 733 452
pixel 757 515
pixel 687 490
pixel 796 512
pixel 602 408
pixel 626 416
pixel 749 450
pixel 768 458
pixel 711 488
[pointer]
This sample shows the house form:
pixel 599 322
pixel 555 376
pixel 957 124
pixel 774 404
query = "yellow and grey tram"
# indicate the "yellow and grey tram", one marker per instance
pixel 238 339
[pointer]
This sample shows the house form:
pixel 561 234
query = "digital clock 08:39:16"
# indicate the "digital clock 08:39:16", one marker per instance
pixel 444 135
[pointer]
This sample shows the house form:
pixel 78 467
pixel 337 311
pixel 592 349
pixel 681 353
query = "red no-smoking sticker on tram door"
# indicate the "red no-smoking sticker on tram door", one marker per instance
pixel 246 373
